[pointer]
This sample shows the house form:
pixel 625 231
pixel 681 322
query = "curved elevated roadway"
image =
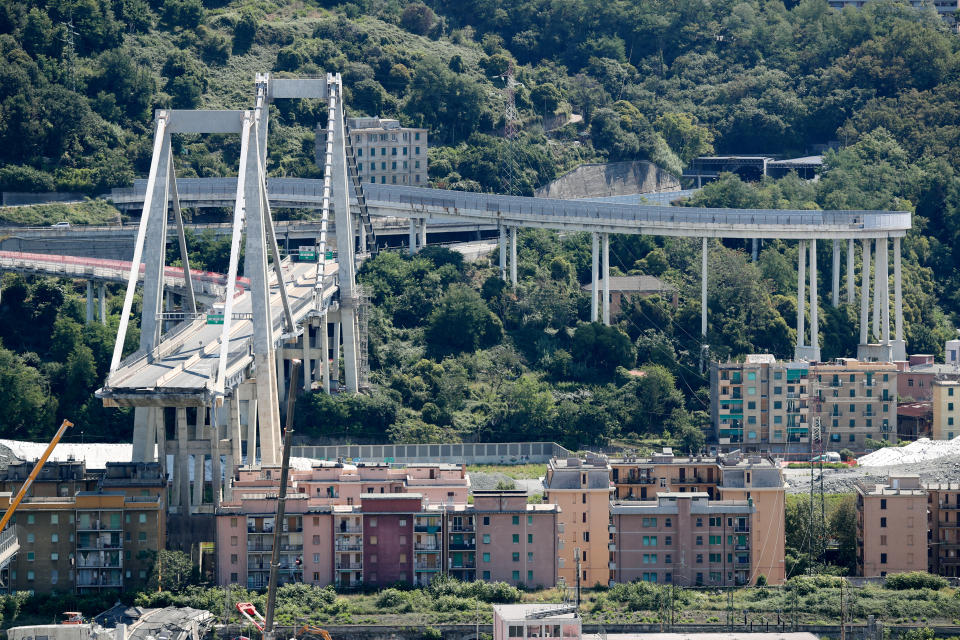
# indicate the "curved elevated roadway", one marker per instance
pixel 571 215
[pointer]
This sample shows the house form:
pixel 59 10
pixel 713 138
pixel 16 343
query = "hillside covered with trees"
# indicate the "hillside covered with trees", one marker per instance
pixel 657 80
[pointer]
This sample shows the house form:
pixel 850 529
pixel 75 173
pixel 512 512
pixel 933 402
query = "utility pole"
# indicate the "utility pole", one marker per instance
pixel 511 127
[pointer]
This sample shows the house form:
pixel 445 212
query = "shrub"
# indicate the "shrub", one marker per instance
pixel 914 580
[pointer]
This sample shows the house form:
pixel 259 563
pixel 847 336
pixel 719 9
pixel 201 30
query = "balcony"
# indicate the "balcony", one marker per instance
pixel 349 547
pixel 463 546
pixel 426 528
pixel 742 547
pixel 694 480
pixel 612 547
pixel 259 546
pixel 611 565
pixel 462 528
pixel 348 530
pixel 636 480
pixel 465 565
pixel 741 529
pixel 433 548
pixel 351 566
pixel 611 528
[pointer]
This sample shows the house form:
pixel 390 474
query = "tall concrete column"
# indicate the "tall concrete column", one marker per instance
pixel 883 267
pixel 324 353
pixel 335 363
pixel 181 478
pixel 814 305
pixel 851 284
pixel 898 289
pixel 513 256
pixel 877 290
pixel 754 248
pixel 160 427
pixel 199 474
pixel 218 418
pixel 595 276
pixel 503 253
pixel 281 381
pixel 413 237
pixel 89 301
pixel 801 291
pixel 422 242
pixel 307 356
pixel 865 293
pixel 835 274
pixel 606 278
pixel 236 438
pixel 252 439
pixel 703 288
pixel 103 303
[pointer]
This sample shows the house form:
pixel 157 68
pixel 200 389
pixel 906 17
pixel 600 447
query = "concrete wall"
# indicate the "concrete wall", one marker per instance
pixel 610 179
pixel 467 452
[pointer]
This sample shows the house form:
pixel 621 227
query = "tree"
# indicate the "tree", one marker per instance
pixel 245 31
pixel 461 322
pixel 186 81
pixel 183 13
pixel 602 348
pixel 453 104
pixel 843 528
pixel 547 97
pixel 687 138
pixel 172 571
pixel 417 18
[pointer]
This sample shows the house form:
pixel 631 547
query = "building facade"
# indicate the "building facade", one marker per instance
pixel 765 405
pixel 581 489
pixel 93 530
pixel 754 479
pixel 891 527
pixel 943 513
pixel 685 539
pixel 387 153
pixel 946 409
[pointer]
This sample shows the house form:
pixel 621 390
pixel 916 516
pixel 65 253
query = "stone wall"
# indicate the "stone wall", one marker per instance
pixel 610 179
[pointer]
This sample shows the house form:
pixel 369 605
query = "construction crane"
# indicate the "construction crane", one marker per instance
pixel 265 623
pixel 33 475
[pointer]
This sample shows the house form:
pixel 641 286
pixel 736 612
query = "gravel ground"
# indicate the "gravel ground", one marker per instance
pixel 484 480
pixel 944 469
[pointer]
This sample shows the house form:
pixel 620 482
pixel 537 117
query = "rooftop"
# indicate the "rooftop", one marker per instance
pixel 534 611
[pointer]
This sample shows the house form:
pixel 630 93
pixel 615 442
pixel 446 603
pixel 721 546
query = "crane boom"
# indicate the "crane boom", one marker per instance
pixel 33 474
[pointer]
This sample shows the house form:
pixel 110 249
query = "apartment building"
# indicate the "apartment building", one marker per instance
pixel 946 409
pixel 685 539
pixel 854 401
pixel 87 530
pixel 765 405
pixel 581 490
pixel 331 483
pixel 761 404
pixel 891 526
pixel 733 476
pixel 387 153
pixel 389 538
pixel 946 9
pixel 943 522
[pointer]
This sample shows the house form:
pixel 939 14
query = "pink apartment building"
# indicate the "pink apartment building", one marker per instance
pixel 685 539
pixel 891 526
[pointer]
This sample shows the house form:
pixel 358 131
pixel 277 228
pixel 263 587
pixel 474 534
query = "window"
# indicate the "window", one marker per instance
pixel 416 150
pixel 233 541
pixel 31 519
pixel 54 556
pixel 529 519
pixel 752 405
pixel 403 539
pixel 529 575
pixel 30 537
pixel 668 541
pixel 54 537
pixel 529 556
pixel 142 536
pixel 883 523
pixel 30 575
pixel 515 556
pixel 751 391
pixel 515 520
pixel 649 541
pixel 54 576
pixel 883 541
pixel 883 558
pixel 373 540
pixel 142 518
pixel 716 557
pixel 516 576
pixel 699 541
pixel 486 521
pixel 404 151
pixel 516 538
pixel 393 151
pixel 54 518
pixel 716 539
pixel 529 538
pixel 383 151
pixel 586 536
pixel 416 136
pixel 883 503
pixel 403 558
pixel 486 556
pixel 699 558
pixel 486 575
pixel 316 558
pixel 667 522
pixel 777 404
pixel 233 558
pixel 30 556
pixel 650 522
pixel 486 538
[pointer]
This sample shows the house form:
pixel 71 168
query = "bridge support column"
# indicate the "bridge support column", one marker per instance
pixel 877 289
pixel 899 346
pixel 181 478
pixel 412 242
pixel 883 264
pixel 513 256
pixel 199 474
pixel 422 242
pixel 835 272
pixel 217 418
pixel 814 304
pixel 144 434
pixel 335 363
pixel 307 355
pixel 755 248
pixel 851 272
pixel 325 353
pixel 281 381
pixel 103 303
pixel 801 296
pixel 606 278
pixel 595 276
pixel 503 253
pixel 89 301
pixel 865 293
pixel 703 290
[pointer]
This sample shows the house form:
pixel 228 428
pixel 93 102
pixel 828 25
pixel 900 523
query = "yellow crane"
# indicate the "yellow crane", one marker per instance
pixel 33 474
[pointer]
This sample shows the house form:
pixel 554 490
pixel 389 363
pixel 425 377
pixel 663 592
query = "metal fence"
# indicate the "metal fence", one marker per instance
pixel 458 453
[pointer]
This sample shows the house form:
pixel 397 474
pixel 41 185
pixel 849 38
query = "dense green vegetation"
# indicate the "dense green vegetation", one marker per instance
pixel 88 212
pixel 456 353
